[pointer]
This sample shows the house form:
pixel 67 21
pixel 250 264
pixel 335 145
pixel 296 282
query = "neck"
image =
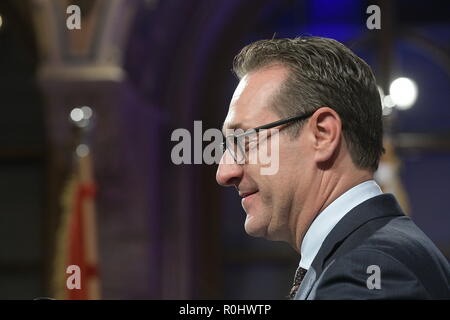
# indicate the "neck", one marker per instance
pixel 323 192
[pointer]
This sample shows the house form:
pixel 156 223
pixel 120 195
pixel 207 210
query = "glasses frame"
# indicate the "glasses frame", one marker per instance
pixel 271 125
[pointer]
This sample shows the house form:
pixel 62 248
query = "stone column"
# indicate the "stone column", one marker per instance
pixel 84 67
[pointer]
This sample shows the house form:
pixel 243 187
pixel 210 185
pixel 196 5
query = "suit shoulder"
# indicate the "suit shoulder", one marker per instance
pixel 410 264
pixel 402 240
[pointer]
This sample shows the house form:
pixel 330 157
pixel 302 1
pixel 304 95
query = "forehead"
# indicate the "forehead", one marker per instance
pixel 251 101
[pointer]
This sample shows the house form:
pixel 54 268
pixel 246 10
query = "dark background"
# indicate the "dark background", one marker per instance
pixel 168 231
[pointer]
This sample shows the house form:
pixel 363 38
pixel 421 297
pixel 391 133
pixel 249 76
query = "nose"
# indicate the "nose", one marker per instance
pixel 228 173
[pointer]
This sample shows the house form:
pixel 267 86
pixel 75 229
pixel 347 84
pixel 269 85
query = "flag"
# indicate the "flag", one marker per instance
pixel 77 237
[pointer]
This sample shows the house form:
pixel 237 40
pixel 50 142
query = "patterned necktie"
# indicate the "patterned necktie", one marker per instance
pixel 299 275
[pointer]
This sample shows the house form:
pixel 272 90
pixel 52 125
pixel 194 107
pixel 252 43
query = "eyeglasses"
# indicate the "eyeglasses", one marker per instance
pixel 239 144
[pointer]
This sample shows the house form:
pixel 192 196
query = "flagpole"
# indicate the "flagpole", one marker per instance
pixel 83 120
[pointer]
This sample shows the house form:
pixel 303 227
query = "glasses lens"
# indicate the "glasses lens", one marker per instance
pixel 232 143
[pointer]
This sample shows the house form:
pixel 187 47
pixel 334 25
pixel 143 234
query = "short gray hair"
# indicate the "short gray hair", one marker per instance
pixel 323 73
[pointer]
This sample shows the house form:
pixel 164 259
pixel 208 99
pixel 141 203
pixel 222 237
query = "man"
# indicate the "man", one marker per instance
pixel 354 241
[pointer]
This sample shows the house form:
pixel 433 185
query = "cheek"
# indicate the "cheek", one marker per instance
pixel 272 191
pixel 282 185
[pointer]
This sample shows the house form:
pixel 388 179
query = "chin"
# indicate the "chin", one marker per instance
pixel 254 228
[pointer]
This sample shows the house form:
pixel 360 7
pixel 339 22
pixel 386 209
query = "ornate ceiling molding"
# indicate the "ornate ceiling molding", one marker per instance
pixel 94 52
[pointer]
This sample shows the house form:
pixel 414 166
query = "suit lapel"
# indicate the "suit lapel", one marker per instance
pixel 380 206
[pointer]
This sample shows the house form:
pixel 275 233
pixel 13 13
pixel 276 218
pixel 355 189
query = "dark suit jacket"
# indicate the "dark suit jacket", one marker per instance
pixel 377 233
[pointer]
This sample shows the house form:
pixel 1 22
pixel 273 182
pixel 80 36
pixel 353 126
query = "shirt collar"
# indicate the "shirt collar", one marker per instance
pixel 331 215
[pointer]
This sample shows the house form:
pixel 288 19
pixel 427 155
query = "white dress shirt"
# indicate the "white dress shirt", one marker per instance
pixel 331 215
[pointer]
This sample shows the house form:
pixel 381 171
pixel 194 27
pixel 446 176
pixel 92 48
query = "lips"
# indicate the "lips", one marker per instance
pixel 246 194
pixel 247 200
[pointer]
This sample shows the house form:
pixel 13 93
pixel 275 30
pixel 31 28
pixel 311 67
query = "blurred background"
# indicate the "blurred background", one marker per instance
pixel 86 119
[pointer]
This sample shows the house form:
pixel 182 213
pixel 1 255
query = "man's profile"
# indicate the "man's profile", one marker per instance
pixel 354 241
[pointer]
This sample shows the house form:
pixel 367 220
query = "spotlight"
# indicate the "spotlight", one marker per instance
pixel 76 114
pixel 403 92
pixel 82 150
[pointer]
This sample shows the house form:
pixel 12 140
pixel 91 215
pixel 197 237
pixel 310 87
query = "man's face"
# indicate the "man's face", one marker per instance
pixel 268 200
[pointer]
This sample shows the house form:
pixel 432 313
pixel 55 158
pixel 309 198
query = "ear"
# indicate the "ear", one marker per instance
pixel 326 129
